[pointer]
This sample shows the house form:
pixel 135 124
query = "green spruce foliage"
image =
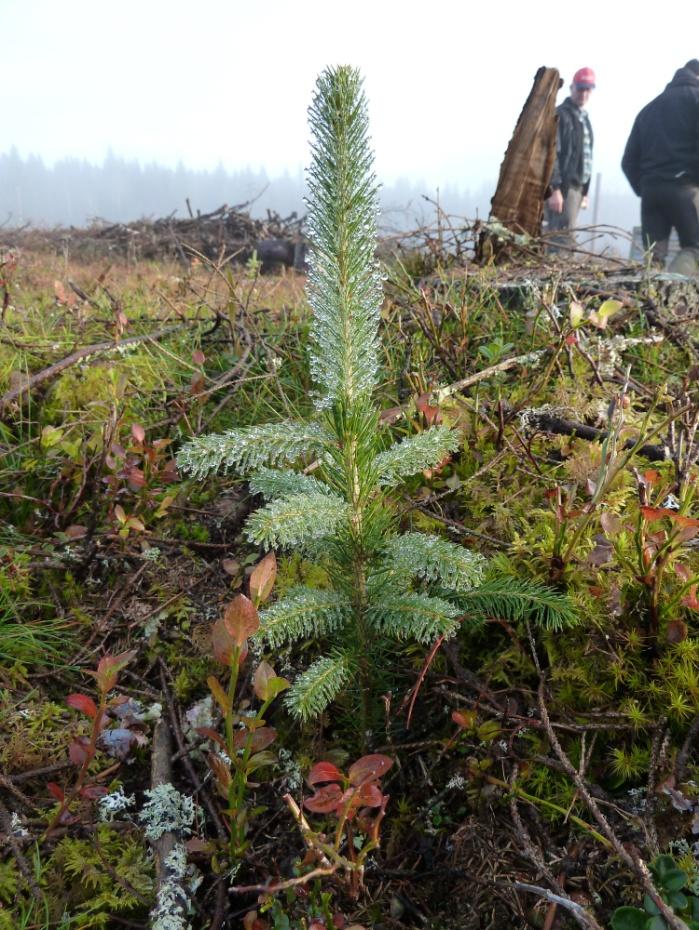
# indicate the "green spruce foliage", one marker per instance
pixel 385 585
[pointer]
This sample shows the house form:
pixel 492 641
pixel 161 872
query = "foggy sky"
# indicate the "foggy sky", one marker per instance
pixel 227 82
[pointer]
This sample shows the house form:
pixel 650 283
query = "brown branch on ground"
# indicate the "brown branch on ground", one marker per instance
pixel 98 348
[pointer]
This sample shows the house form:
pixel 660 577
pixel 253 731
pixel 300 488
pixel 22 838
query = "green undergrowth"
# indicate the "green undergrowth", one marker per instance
pixel 100 534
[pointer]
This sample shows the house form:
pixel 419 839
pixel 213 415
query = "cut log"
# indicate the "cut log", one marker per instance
pixel 518 202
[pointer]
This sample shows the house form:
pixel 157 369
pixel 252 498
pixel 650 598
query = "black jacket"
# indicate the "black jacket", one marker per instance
pixel 664 140
pixel 568 166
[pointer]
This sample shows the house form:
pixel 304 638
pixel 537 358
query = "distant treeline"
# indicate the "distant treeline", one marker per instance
pixel 72 192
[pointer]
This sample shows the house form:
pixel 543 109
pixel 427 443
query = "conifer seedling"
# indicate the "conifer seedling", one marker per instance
pixel 384 585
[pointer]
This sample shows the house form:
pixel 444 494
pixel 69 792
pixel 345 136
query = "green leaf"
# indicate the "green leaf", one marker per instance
pixel 673 879
pixel 677 900
pixel 661 865
pixel 629 918
pixel 656 923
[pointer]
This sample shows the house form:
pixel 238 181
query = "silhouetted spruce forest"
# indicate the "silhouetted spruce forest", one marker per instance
pixel 72 192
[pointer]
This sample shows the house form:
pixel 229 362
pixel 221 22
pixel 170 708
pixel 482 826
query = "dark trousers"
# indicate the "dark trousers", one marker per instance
pixel 668 204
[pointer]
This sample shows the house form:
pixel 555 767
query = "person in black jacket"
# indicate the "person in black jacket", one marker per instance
pixel 661 162
pixel 572 170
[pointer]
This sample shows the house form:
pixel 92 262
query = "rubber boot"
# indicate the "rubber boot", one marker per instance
pixel 685 262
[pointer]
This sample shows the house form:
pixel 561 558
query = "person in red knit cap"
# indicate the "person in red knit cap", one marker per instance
pixel 572 169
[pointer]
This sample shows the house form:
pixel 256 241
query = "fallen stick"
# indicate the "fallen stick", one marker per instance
pixel 547 423
pixel 436 397
pixel 96 349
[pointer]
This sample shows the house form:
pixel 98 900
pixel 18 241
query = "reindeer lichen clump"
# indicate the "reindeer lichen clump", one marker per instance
pixel 385 585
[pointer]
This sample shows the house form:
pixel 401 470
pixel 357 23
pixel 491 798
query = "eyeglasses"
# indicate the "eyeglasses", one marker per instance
pixel 584 87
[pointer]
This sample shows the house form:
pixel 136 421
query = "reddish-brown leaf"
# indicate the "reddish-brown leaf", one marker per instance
pixel 262 579
pixel 323 771
pixel 108 669
pixel 223 644
pixel 241 619
pixel 56 791
pixel 198 357
pixel 93 792
pixel 80 751
pixel 83 703
pixel 212 735
pixel 657 513
pixel 221 772
pixel 369 795
pixel 676 631
pixel 325 800
pixel 369 768
pixel 431 413
pixel 690 599
pixel 138 433
pixel 259 739
pixel 463 718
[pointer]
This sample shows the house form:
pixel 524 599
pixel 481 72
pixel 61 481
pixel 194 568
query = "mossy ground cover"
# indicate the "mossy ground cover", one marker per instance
pixel 106 550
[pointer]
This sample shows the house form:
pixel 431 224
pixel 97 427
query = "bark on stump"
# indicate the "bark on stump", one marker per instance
pixel 518 202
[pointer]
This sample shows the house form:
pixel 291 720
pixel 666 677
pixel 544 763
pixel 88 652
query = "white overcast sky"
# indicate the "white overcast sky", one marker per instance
pixel 229 81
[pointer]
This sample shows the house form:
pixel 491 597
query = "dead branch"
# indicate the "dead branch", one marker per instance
pixel 98 348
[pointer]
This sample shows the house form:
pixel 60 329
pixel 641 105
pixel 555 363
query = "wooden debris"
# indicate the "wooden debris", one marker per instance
pixel 518 202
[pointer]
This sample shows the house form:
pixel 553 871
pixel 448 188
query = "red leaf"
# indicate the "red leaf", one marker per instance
pixel 325 800
pixel 198 357
pixel 223 644
pixel 108 669
pixel 80 751
pixel 369 768
pixel 464 719
pixel 369 795
pixel 657 513
pixel 241 619
pixel 83 703
pixel 323 771
pixel 93 792
pixel 138 433
pixel 56 791
pixel 430 413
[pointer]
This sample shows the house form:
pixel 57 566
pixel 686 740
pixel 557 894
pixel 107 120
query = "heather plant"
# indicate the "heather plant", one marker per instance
pixel 384 585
